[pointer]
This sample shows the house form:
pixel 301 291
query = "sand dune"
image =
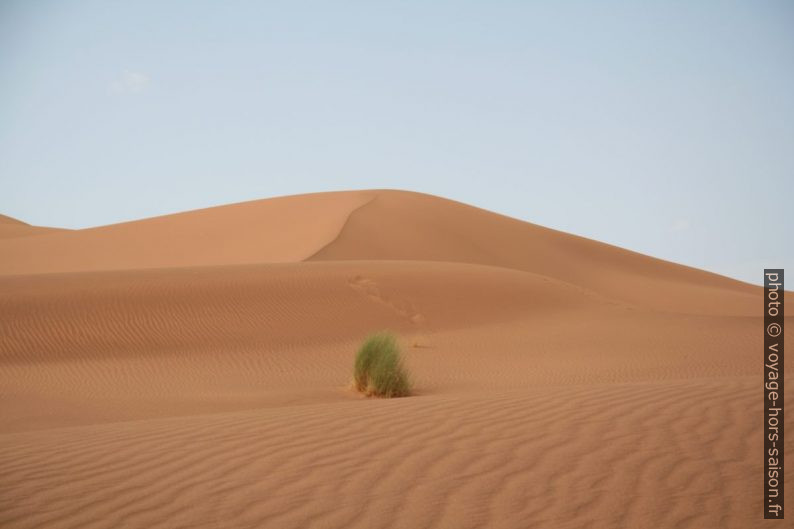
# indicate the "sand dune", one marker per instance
pixel 191 371
pixel 285 229
pixel 12 228
pixel 376 225
pixel 403 225
pixel 619 455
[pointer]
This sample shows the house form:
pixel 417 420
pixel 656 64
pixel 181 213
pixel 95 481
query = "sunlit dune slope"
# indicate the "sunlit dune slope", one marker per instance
pixel 11 228
pixel 406 225
pixel 271 230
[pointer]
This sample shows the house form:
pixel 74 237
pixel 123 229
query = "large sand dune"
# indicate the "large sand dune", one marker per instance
pixel 191 371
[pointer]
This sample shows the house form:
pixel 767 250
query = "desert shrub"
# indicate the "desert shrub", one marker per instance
pixel 378 369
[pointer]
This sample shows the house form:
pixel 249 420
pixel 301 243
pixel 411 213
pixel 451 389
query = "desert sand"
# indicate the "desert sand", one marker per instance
pixel 192 370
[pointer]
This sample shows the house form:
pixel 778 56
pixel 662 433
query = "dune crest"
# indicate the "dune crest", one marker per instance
pixel 377 225
pixel 283 229
pixel 401 225
pixel 12 228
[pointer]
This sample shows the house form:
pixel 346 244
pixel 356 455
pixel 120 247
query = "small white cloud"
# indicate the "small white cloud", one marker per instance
pixel 130 82
pixel 680 225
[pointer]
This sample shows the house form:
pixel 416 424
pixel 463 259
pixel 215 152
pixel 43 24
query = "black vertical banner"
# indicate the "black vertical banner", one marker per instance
pixel 773 394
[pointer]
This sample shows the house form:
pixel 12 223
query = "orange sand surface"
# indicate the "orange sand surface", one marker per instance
pixel 192 370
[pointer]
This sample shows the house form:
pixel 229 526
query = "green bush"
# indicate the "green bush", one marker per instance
pixel 378 369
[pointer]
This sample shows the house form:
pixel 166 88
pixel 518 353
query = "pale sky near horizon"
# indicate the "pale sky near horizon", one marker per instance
pixel 665 127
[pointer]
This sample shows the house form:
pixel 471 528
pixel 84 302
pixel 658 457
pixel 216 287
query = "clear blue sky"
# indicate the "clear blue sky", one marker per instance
pixel 665 127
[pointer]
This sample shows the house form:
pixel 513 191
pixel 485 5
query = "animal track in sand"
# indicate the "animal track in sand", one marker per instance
pixel 404 308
